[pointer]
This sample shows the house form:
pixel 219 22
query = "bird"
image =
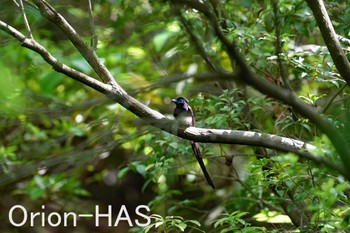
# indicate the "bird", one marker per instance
pixel 183 114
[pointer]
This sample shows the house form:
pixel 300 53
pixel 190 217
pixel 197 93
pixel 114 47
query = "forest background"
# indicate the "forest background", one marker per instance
pixel 86 113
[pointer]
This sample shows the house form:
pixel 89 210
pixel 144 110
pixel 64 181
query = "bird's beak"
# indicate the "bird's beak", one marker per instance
pixel 174 100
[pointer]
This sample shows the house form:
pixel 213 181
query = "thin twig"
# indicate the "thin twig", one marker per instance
pixel 197 43
pixel 29 31
pixel 333 98
pixel 94 39
pixel 278 47
pixel 16 3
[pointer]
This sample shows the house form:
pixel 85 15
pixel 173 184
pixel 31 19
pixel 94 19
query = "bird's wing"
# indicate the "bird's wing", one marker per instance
pixel 192 115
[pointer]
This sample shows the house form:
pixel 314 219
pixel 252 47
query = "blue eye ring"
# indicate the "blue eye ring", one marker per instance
pixel 180 100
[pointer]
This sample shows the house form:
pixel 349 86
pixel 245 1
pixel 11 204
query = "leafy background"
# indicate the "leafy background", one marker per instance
pixel 69 148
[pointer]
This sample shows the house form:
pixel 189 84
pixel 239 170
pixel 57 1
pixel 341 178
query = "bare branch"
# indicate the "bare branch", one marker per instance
pixel 16 3
pixel 56 65
pixel 117 93
pixel 330 38
pixel 175 78
pixel 88 53
pixel 257 139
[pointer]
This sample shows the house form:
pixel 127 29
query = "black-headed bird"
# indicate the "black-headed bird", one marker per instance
pixel 184 115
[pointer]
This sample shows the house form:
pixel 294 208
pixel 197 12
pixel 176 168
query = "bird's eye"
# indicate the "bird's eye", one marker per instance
pixel 181 101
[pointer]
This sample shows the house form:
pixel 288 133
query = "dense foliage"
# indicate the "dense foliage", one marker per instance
pixel 68 147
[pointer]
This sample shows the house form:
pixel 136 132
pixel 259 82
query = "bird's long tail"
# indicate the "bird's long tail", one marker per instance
pixel 198 155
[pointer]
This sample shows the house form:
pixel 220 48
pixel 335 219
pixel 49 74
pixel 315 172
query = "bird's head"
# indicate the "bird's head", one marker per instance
pixel 180 102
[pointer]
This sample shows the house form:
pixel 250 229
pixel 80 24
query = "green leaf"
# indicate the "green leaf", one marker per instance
pixel 140 168
pixel 161 39
pixel 121 174
pixel 82 65
pixel 49 82
pixel 195 222
pixel 182 226
pixel 246 3
pixel 36 193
